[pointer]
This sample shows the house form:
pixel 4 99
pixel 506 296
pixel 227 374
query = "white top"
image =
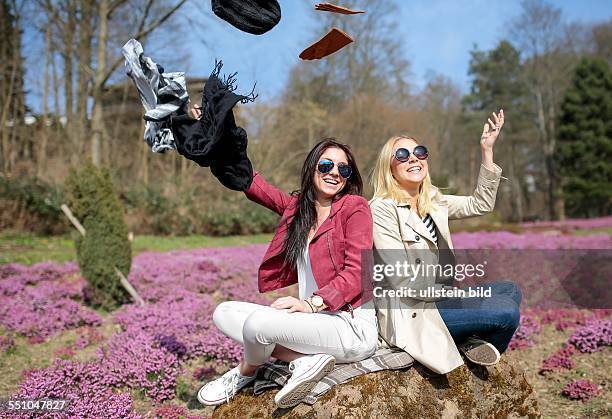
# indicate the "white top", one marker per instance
pixel 306 282
pixel 363 321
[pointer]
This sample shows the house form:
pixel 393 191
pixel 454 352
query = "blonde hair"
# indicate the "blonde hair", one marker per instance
pixel 385 185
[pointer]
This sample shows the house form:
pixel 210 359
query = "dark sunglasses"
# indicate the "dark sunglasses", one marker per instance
pixel 326 166
pixel 403 154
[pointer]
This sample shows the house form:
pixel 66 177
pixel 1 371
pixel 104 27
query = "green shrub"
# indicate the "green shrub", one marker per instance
pixel 31 204
pixel 105 246
pixel 243 218
pixel 157 214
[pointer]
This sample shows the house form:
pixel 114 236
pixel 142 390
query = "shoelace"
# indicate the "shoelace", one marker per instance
pixel 291 369
pixel 230 384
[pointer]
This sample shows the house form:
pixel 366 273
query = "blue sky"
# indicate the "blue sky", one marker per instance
pixel 438 36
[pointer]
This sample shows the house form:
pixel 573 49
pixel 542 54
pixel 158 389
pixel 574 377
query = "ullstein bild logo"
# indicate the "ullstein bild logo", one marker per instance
pixel 431 292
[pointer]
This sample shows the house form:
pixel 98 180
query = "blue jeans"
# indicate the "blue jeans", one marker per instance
pixel 494 319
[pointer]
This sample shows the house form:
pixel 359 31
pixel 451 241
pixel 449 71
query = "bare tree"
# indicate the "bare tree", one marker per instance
pixel 42 157
pixel 84 72
pixel 372 65
pixel 538 32
pixel 12 100
pixel 104 71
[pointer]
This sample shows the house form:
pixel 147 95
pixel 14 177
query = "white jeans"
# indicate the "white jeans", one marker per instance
pixel 259 328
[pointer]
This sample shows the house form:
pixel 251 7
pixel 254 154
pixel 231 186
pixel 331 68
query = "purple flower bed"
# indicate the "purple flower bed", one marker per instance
pixel 582 390
pixel 181 289
pixel 41 300
pixel 573 223
pixel 524 335
pixel 135 360
pixel 507 240
pixel 594 335
pixel 172 411
pixel 88 336
pixel 562 359
pixel 147 354
pixel 83 385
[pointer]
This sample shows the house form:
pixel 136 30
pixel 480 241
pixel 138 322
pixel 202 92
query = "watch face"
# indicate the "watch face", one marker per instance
pixel 317 300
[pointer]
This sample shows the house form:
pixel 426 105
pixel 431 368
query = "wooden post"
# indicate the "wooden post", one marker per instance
pixel 124 282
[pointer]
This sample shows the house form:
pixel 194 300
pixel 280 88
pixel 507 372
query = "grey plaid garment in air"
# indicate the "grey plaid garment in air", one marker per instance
pixel 162 95
pixel 276 374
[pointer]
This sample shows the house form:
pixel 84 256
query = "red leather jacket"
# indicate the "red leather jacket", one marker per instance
pixel 335 250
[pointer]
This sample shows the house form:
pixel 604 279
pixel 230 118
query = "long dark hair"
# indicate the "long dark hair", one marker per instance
pixel 306 212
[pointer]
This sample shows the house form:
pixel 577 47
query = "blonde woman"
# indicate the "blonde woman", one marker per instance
pixel 410 220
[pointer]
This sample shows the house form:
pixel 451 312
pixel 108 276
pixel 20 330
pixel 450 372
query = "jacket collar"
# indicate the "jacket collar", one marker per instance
pixel 415 222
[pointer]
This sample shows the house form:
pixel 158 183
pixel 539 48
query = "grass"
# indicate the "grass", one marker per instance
pixel 586 232
pixel 28 249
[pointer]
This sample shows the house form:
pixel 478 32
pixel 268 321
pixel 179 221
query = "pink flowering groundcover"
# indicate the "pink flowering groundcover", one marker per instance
pixel 151 349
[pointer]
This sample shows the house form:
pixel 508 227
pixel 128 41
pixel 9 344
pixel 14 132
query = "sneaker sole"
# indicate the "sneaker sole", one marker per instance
pixel 299 390
pixel 485 355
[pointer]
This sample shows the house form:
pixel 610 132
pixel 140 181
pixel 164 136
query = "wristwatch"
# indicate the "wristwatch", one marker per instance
pixel 317 302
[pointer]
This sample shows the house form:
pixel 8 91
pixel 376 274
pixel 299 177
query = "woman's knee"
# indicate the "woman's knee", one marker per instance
pixel 255 324
pixel 510 317
pixel 221 312
pixel 508 288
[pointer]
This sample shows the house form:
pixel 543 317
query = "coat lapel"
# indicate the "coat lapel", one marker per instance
pixel 440 219
pixel 415 222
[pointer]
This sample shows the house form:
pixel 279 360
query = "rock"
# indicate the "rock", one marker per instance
pixel 500 391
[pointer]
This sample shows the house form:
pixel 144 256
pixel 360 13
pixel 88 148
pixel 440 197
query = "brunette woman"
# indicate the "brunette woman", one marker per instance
pixel 318 243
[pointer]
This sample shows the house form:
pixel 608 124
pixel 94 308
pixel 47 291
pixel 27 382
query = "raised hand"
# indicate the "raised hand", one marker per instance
pixel 491 130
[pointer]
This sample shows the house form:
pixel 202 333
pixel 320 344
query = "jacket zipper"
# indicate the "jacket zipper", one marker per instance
pixel 330 255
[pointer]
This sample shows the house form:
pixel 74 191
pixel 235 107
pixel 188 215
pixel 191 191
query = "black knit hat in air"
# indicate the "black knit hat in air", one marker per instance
pixel 252 16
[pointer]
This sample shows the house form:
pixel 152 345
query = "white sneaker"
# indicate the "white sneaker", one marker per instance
pixel 223 388
pixel 307 371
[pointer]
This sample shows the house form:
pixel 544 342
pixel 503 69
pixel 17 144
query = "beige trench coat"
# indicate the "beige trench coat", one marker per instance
pixel 414 324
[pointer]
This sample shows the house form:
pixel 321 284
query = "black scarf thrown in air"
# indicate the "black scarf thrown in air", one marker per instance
pixel 214 140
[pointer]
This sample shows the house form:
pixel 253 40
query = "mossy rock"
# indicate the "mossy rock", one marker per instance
pixel 501 391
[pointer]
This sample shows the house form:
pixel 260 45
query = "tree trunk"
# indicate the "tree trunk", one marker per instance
pixel 557 191
pixel 42 158
pixel 6 146
pixel 56 105
pixel 516 192
pixel 68 38
pixel 84 72
pixel 97 120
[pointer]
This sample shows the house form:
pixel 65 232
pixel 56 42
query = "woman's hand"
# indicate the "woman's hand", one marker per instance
pixel 491 130
pixel 292 303
pixel 489 135
pixel 196 111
